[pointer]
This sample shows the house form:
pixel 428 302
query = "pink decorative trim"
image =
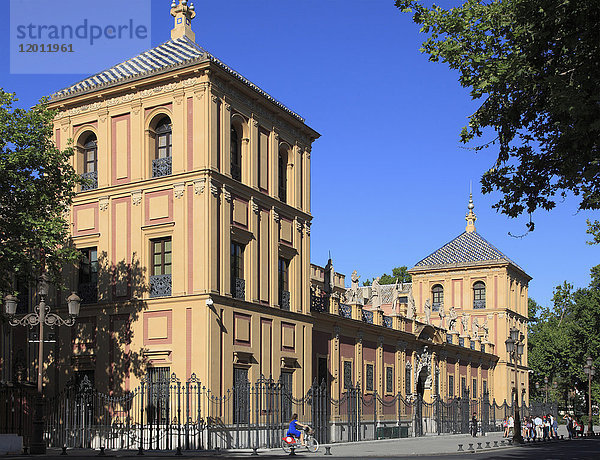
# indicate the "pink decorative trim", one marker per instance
pixel 57 135
pixel 159 314
pixel 112 340
pixel 190 133
pixel 91 343
pixel 188 342
pixel 117 229
pixel 242 316
pixel 114 152
pixel 149 197
pixel 293 328
pixel 81 207
pixel 190 218
pixel 495 292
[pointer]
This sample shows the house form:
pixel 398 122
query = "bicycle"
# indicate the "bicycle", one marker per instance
pixel 291 443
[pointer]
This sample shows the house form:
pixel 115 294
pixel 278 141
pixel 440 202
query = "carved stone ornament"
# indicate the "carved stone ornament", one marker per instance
pixel 103 203
pixel 299 225
pixel 307 227
pixel 336 332
pixel 255 207
pixel 136 197
pixel 199 185
pixel 214 190
pixel 276 217
pixel 178 189
pixel 227 194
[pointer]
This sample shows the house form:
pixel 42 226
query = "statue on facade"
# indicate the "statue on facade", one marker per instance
pixel 453 317
pixel 396 297
pixel 442 315
pixel 465 323
pixel 427 309
pixel 376 291
pixel 485 330
pixel 475 328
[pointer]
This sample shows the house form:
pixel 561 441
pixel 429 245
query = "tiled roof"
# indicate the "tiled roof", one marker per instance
pixel 466 248
pixel 386 292
pixel 172 54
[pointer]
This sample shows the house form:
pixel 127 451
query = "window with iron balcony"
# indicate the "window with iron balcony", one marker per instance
pixel 160 276
pixel 162 137
pixel 282 174
pixel 479 295
pixel 238 284
pixel 437 293
pixel 89 153
pixel 236 154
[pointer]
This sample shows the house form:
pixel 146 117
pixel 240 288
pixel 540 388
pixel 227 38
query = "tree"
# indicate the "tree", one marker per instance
pixel 399 275
pixel 534 64
pixel 37 184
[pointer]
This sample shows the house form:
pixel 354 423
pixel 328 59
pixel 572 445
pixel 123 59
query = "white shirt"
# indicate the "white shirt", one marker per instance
pixel 511 422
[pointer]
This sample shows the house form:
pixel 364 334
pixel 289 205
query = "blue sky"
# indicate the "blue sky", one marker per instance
pixel 390 181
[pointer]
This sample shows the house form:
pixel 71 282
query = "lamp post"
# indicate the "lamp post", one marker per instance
pixel 514 347
pixel 546 388
pixel 590 370
pixel 41 316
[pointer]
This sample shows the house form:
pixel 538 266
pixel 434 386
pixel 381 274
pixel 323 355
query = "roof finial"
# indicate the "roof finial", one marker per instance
pixel 183 14
pixel 471 217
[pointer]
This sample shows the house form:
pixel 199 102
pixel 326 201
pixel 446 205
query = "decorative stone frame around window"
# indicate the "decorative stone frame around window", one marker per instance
pixel 437 295
pixel 479 295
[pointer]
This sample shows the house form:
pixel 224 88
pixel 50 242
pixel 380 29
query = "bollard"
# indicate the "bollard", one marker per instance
pixel 292 451
pixel 502 442
pixel 479 445
pixel 64 450
pixel 460 449
pixel 562 437
pixel 178 451
pixel 328 450
pixel 471 446
pixel 101 454
pixel 487 445
pixel 25 450
pixel 254 452
pixel 140 451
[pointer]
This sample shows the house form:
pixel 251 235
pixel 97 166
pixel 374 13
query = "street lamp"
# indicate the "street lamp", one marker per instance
pixel 546 388
pixel 514 347
pixel 590 370
pixel 39 317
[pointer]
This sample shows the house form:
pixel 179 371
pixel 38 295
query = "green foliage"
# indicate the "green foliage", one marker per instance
pixel 37 184
pixel 534 65
pixel 399 275
pixel 564 336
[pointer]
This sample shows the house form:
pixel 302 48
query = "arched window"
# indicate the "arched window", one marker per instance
pixel 161 164
pixel 282 173
pixel 479 294
pixel 89 151
pixel 437 294
pixel 236 155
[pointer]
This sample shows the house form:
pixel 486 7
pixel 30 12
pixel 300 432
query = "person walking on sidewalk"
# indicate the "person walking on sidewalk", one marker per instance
pixel 474 425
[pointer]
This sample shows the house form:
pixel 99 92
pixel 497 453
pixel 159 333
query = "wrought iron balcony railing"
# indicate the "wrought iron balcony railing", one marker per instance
pixel 161 167
pixel 91 181
pixel 160 285
pixel 284 300
pixel 239 288
pixel 435 306
pixel 367 316
pixel 345 311
pixel 479 303
pixel 387 322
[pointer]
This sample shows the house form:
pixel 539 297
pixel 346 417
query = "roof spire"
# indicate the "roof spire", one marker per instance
pixel 471 217
pixel 183 14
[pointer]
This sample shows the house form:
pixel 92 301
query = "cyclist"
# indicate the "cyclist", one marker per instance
pixel 293 429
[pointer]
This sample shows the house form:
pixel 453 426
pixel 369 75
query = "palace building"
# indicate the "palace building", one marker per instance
pixel 194 225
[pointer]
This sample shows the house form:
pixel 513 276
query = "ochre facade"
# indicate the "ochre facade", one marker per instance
pixel 195 227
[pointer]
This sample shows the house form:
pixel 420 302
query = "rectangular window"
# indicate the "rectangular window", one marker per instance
pixel 286 403
pixel 474 389
pixel 451 386
pixel 461 341
pixel 322 370
pixel 284 289
pixel 347 375
pixel 389 379
pixel 407 382
pixel 88 276
pixel 369 377
pixel 158 394
pixel 463 386
pixel 238 285
pixel 161 256
pixel 241 395
pixel 485 388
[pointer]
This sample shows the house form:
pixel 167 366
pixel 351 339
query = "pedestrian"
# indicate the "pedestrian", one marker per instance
pixel 474 425
pixel 538 426
pixel 505 426
pixel 511 426
pixel 569 421
pixel 555 427
pixel 546 427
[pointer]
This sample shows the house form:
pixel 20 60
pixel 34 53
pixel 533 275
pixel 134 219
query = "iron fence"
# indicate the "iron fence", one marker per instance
pixel 165 413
